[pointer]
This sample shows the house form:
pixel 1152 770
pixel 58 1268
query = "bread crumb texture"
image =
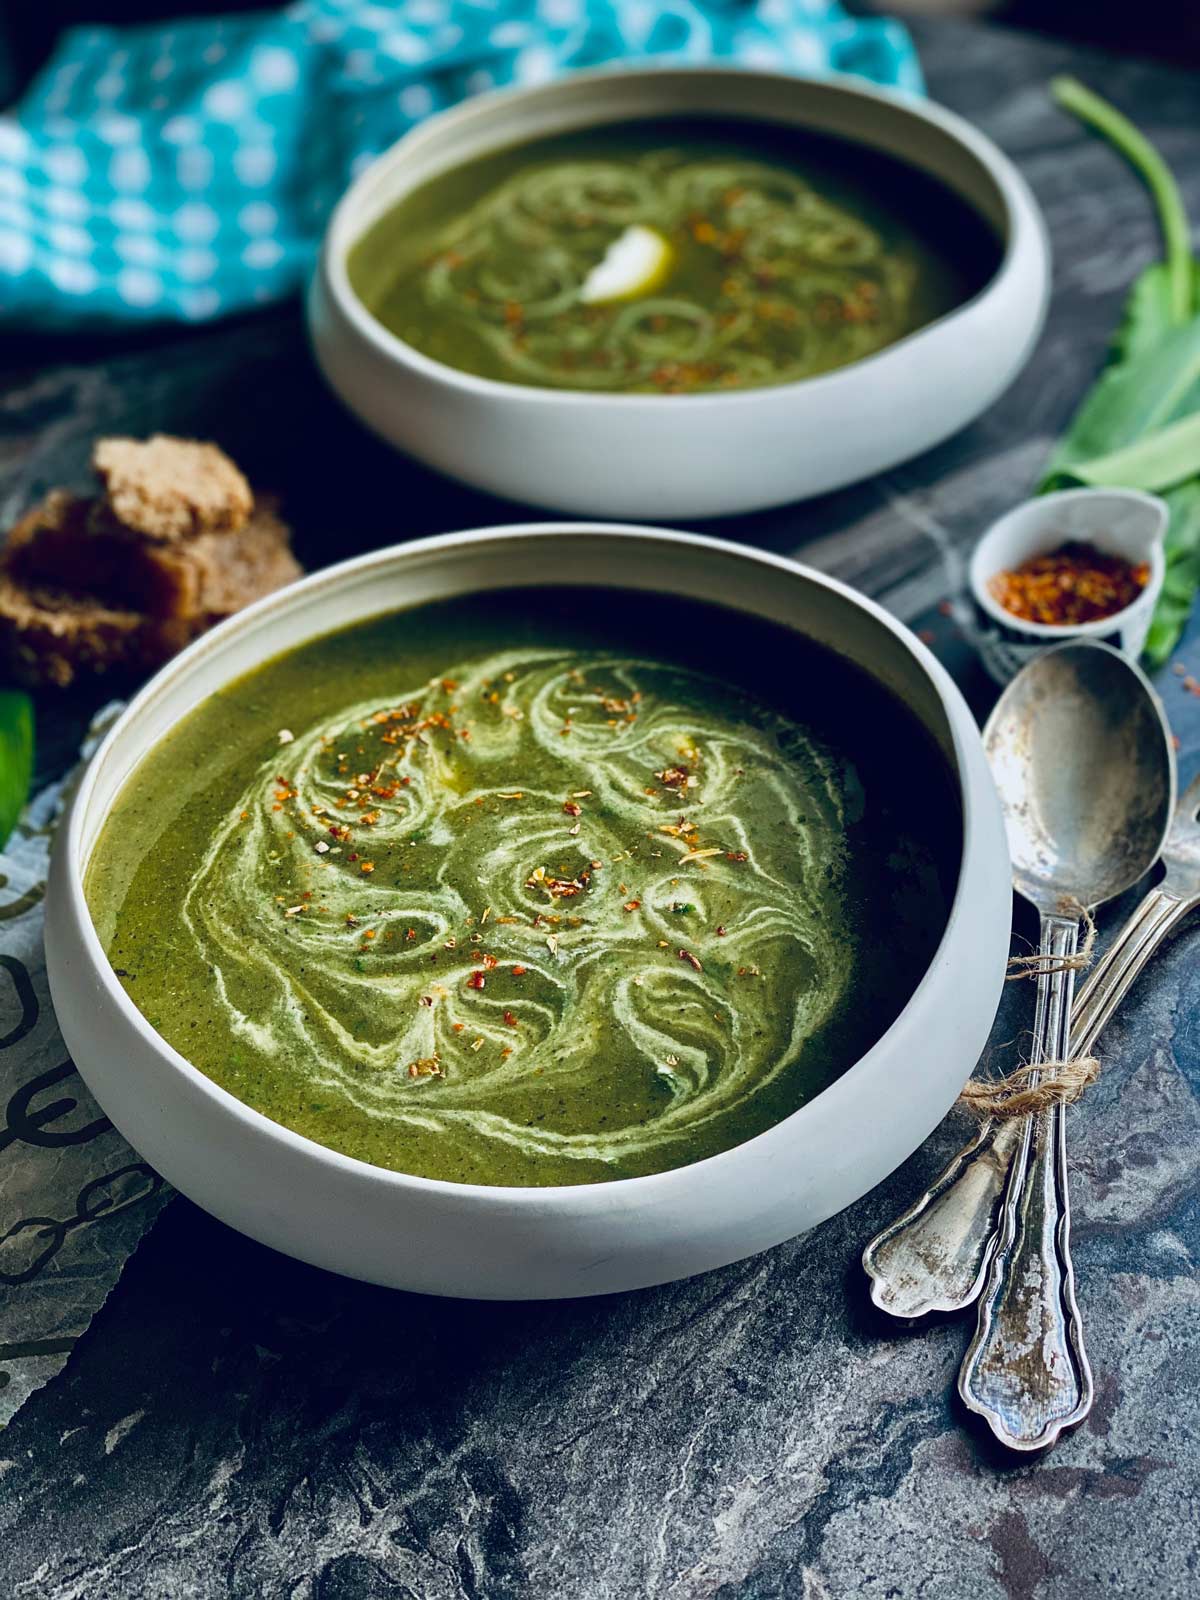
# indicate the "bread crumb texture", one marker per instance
pixel 168 489
pixel 82 592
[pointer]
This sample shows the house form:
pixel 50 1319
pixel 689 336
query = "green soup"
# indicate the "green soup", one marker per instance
pixel 544 887
pixel 669 257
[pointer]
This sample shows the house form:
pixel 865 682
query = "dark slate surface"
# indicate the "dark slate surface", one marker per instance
pixel 235 1423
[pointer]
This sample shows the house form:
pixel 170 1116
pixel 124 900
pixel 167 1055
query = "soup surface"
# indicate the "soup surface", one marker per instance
pixel 548 886
pixel 669 257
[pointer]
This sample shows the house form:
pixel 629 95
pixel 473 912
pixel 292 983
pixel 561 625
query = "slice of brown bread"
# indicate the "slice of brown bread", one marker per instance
pixel 70 542
pixel 48 635
pixel 76 595
pixel 168 489
pixel 231 569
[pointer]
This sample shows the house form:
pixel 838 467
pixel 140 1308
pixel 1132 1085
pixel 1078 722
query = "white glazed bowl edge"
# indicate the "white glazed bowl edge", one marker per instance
pixel 475 1241
pixel 683 456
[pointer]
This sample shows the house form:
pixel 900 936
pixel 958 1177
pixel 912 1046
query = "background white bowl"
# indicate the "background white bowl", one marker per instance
pixel 664 456
pixel 462 1239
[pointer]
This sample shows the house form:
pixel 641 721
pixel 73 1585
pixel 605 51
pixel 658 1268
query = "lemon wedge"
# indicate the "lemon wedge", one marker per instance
pixel 634 263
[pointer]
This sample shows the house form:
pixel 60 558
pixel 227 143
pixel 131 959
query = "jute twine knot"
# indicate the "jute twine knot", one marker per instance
pixel 1038 1085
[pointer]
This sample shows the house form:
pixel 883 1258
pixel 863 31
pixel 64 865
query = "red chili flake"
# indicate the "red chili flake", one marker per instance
pixel 510 1019
pixel 673 777
pixel 518 971
pixel 476 981
pixel 411 934
pixel 367 866
pixel 506 1052
pixel 632 905
pixel 489 961
pixel 369 934
pixel 458 1027
pixel 571 809
pixel 692 961
pixel 736 855
pixel 1075 583
pixel 721 931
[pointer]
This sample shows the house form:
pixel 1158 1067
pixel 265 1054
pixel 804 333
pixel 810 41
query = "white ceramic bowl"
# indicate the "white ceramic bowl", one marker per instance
pixel 1118 522
pixel 460 1239
pixel 669 456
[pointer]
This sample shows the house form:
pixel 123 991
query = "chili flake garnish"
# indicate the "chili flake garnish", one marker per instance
pixel 476 981
pixel 510 1019
pixel 693 961
pixel 1073 584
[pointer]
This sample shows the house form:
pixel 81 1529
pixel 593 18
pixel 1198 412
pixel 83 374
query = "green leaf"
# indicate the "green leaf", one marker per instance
pixel 1182 547
pixel 16 757
pixel 1180 266
pixel 1131 399
pixel 1147 314
pixel 1157 460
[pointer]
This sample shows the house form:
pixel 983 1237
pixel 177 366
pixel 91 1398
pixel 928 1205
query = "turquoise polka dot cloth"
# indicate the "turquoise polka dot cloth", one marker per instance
pixel 184 172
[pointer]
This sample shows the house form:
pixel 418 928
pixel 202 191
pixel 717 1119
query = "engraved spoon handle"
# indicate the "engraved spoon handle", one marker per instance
pixel 1112 978
pixel 1026 1371
pixel 935 1255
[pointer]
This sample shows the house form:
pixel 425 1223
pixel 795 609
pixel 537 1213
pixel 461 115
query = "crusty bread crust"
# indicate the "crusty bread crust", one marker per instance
pixel 168 489
pixel 79 593
pixel 48 636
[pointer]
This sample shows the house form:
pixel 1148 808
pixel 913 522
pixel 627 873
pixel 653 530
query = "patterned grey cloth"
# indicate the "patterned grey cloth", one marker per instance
pixel 74 1198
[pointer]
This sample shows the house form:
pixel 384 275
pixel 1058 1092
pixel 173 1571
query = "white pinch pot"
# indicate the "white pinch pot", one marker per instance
pixel 470 1240
pixel 1118 522
pixel 702 455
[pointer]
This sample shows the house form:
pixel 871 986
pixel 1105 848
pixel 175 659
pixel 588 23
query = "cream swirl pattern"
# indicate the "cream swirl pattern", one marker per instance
pixel 550 902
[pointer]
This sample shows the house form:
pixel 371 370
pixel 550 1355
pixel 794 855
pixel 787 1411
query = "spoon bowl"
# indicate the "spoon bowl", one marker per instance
pixel 1081 754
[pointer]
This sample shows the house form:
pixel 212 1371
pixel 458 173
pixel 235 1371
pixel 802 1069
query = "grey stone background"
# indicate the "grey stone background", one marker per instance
pixel 237 1424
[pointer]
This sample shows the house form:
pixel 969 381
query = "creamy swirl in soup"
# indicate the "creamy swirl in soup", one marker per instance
pixel 512 891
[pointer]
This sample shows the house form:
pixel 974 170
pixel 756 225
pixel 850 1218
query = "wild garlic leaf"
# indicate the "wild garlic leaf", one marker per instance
pixel 1182 547
pixel 1130 399
pixel 16 757
pixel 1148 312
pixel 1158 460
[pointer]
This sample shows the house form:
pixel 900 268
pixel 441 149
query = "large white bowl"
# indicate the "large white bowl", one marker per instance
pixel 669 456
pixel 464 1239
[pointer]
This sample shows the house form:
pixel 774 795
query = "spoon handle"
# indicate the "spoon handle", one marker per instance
pixel 1112 978
pixel 1026 1371
pixel 934 1256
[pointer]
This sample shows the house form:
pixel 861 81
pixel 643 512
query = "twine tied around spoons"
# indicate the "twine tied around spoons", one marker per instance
pixel 1039 1085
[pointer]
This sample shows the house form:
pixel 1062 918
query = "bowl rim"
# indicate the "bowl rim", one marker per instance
pixel 341 234
pixel 1063 632
pixel 71 866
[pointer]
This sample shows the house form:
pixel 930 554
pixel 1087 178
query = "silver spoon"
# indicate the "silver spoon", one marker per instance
pixel 1082 757
pixel 935 1255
